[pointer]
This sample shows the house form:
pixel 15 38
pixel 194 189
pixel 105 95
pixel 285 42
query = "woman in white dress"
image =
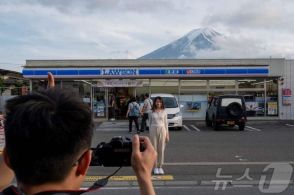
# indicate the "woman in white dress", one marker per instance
pixel 158 132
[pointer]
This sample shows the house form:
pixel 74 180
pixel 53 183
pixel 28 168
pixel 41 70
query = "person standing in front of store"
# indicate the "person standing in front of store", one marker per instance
pixel 158 132
pixel 145 111
pixel 133 114
pixel 112 107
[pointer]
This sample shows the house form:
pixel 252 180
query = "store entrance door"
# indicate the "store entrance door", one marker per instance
pixel 118 102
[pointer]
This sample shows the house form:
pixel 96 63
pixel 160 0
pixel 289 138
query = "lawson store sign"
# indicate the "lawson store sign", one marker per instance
pixel 147 72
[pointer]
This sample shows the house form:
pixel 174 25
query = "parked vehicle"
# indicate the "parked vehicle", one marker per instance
pixel 226 110
pixel 172 108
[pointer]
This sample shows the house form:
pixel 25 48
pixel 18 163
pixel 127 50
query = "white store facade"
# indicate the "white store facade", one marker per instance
pixel 266 84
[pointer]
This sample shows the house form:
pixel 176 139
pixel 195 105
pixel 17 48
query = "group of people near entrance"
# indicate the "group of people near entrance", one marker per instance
pixel 158 125
pixel 48 138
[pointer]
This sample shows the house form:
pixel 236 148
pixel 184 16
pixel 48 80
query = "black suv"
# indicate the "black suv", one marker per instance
pixel 226 109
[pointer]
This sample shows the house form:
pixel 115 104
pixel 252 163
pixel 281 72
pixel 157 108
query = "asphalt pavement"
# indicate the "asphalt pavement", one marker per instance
pixel 199 158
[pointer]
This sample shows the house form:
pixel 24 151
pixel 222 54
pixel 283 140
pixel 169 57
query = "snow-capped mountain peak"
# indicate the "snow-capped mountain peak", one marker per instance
pixel 187 46
pixel 207 32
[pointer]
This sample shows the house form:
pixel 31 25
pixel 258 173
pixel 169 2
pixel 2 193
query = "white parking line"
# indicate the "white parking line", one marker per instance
pixel 194 127
pixel 186 128
pixel 290 125
pixel 253 128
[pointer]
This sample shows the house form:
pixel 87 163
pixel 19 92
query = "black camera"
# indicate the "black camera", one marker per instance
pixel 116 153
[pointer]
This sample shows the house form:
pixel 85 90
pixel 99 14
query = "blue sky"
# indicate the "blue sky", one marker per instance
pixel 111 29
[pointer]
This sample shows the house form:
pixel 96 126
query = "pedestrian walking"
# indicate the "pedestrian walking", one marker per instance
pixel 147 107
pixel 112 108
pixel 158 132
pixel 133 114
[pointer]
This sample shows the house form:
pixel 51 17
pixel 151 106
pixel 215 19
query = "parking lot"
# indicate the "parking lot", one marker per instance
pixel 197 155
pixel 200 160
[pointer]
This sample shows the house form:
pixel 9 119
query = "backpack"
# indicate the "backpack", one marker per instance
pixel 134 110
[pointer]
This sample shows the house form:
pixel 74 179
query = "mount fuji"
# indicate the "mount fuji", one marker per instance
pixel 187 47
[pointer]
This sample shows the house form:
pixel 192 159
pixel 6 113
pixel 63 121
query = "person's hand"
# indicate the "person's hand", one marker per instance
pixel 51 81
pixel 167 139
pixel 142 163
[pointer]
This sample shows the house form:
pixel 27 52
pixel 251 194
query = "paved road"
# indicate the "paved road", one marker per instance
pixel 183 190
pixel 197 157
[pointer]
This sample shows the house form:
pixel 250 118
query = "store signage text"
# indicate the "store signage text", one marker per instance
pixel 121 83
pixel 116 71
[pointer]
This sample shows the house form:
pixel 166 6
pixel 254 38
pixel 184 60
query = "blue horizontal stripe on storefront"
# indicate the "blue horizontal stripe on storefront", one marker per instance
pixel 89 72
pixel 69 72
pixel 28 72
pixel 149 72
pixel 258 71
pixel 44 72
pixel 215 71
pixel 202 71
pixel 237 71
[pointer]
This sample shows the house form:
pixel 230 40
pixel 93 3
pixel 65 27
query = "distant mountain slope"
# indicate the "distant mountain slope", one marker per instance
pixel 187 46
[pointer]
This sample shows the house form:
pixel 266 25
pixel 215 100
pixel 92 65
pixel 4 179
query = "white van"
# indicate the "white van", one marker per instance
pixel 172 108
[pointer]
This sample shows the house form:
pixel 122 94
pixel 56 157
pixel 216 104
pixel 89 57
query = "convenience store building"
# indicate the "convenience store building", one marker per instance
pixel 266 84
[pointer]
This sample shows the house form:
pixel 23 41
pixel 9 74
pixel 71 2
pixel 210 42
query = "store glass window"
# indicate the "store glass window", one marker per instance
pixel 71 86
pixel 217 93
pixel 143 88
pixel 193 98
pixel 193 105
pixel 255 103
pixel 99 104
pixel 164 86
pixel 222 84
pixel 257 83
pixel 187 85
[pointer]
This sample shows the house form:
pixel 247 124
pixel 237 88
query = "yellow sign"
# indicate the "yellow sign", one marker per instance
pixel 272 108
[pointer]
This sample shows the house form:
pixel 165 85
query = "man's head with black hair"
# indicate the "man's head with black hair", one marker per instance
pixel 46 134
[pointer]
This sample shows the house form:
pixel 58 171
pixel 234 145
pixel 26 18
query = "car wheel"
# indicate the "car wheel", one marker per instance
pixel 234 109
pixel 242 127
pixel 215 126
pixel 208 122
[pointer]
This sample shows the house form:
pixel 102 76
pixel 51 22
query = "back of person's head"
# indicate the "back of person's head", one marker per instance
pixel 133 99
pixel 147 95
pixel 45 134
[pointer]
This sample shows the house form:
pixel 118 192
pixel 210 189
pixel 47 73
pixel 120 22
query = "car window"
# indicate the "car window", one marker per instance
pixel 227 101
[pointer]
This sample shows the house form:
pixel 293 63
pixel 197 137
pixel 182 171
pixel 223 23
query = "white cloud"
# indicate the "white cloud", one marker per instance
pixel 51 29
